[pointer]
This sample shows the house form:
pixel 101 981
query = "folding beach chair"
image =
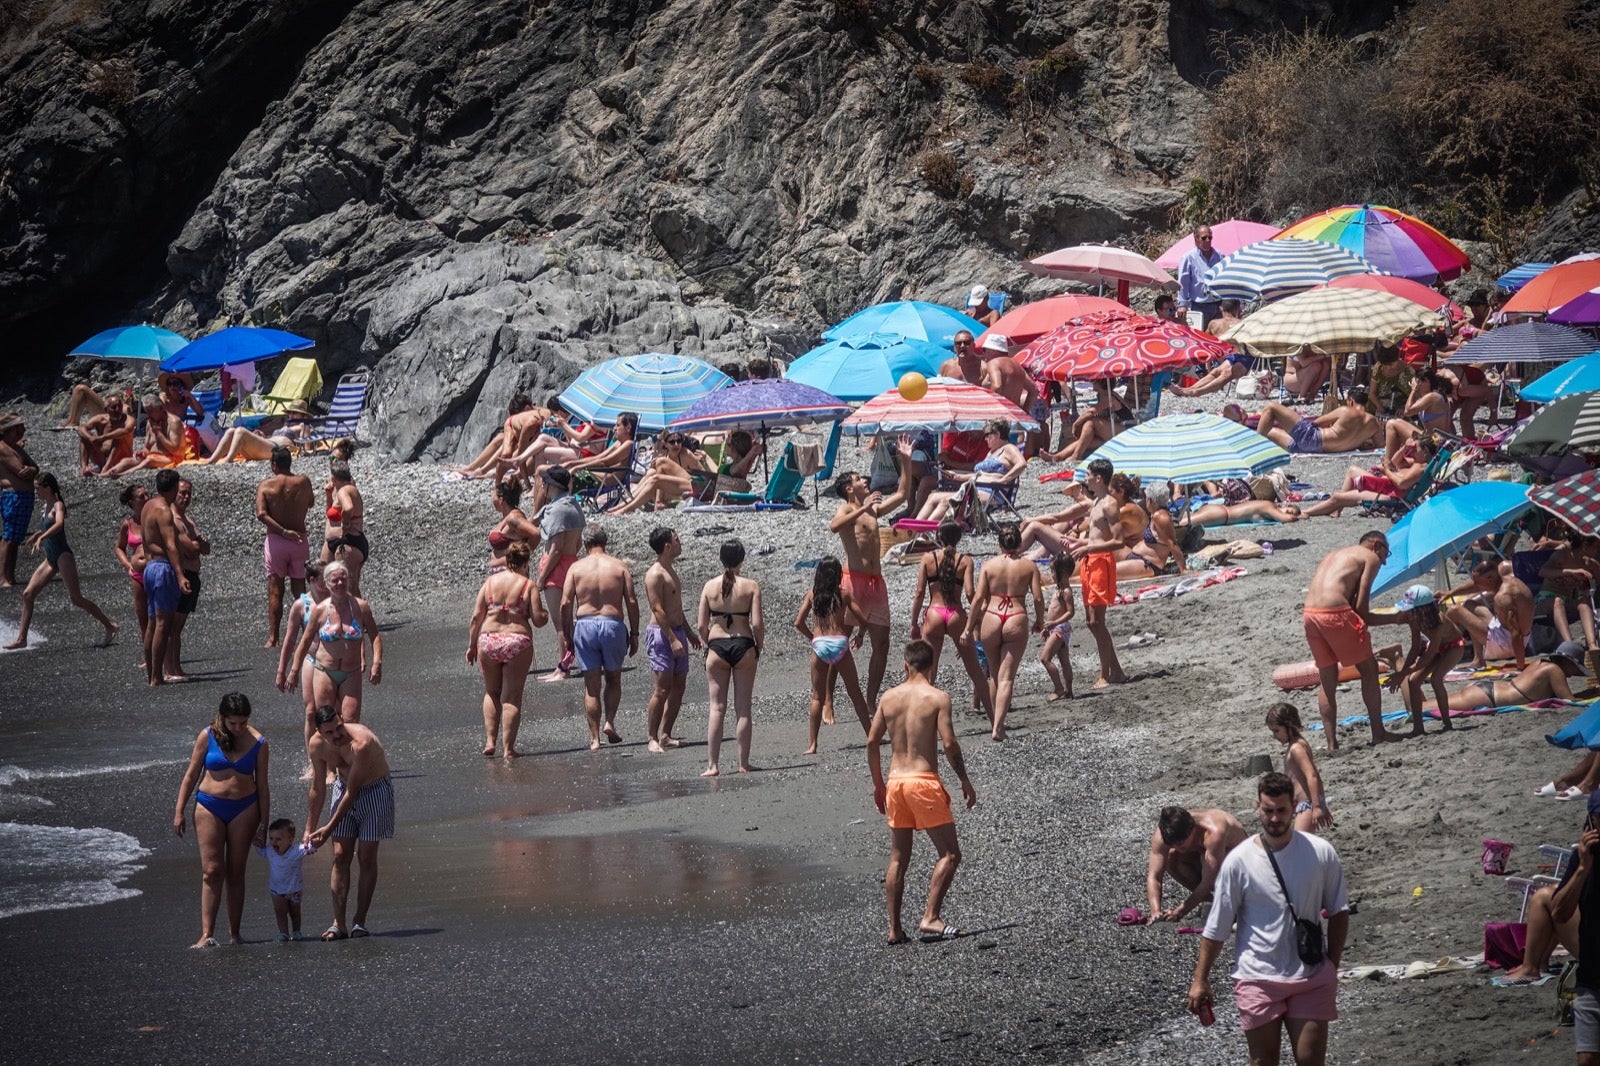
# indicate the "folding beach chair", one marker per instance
pixel 300 382
pixel 600 488
pixel 784 488
pixel 344 412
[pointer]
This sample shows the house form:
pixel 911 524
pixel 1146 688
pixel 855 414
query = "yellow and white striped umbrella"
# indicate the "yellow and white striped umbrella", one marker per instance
pixel 1332 321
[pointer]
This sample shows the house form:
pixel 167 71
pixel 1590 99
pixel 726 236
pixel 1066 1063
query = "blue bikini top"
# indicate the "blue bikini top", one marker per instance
pixel 217 760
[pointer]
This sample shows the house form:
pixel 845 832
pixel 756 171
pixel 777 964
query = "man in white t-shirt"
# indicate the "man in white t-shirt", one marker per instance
pixel 1271 982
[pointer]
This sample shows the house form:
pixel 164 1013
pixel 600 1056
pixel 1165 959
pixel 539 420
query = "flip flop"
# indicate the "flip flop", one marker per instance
pixel 1571 793
pixel 334 933
pixel 1547 791
pixel 949 932
pixel 358 930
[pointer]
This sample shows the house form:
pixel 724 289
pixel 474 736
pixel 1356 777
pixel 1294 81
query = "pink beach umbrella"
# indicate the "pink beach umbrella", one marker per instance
pixel 1226 238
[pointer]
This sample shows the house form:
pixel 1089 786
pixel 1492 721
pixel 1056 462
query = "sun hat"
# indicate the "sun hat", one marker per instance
pixel 560 477
pixel 976 295
pixel 1572 652
pixel 997 342
pixel 1415 596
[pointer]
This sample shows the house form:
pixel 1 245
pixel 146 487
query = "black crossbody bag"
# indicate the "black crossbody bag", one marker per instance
pixel 1307 933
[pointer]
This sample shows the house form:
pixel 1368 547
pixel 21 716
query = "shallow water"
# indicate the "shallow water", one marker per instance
pixel 58 867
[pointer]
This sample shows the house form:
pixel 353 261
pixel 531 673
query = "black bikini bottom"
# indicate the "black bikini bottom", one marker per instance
pixel 732 649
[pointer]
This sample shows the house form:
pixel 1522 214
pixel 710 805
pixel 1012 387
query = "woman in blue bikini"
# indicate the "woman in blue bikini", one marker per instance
pixel 227 776
pixel 836 616
pixel 340 628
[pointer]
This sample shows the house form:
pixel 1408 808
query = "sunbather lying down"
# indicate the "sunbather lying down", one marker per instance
pixel 1540 681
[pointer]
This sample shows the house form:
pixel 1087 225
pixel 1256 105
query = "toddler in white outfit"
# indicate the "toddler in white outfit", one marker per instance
pixel 283 857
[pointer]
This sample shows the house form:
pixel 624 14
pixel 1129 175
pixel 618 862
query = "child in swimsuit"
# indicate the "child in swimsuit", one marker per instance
pixel 1310 801
pixel 284 856
pixel 1056 656
pixel 1436 647
pixel 836 617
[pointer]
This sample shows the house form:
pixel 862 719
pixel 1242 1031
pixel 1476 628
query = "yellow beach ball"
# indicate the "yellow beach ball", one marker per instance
pixel 913 386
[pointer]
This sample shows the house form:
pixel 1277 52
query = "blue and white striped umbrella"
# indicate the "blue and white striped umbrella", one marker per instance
pixel 1526 342
pixel 859 368
pixel 917 319
pixel 1568 379
pixel 1520 275
pixel 1189 448
pixel 656 387
pixel 1268 269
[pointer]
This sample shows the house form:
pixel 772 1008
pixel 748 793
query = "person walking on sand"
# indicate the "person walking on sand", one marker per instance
pixel 362 815
pixel 500 643
pixel 856 523
pixel 17 471
pixel 282 501
pixel 599 587
pixel 945 578
pixel 667 640
pixel 336 637
pixel 1336 620
pixel 1311 811
pixel 837 617
pixel 730 623
pixel 51 539
pixel 1097 563
pixel 192 544
pixel 1000 619
pixel 164 583
pixel 1189 847
pixel 345 538
pixel 913 715
pixel 1275 887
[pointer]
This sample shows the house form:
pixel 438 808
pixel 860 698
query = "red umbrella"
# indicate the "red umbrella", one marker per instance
pixel 1404 288
pixel 1554 287
pixel 1022 324
pixel 1226 238
pixel 1103 345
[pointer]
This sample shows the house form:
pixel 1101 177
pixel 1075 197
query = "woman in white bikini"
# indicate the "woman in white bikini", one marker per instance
pixel 836 618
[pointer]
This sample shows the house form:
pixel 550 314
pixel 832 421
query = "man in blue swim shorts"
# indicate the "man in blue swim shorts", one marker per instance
pixel 597 590
pixel 17 471
pixel 1344 429
pixel 667 639
pixel 164 582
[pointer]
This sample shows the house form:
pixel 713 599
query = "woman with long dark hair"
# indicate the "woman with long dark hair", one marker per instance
pixel 1000 618
pixel 731 627
pixel 945 579
pixel 836 617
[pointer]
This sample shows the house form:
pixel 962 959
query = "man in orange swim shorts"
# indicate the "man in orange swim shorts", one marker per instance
pixel 1336 623
pixel 1097 568
pixel 913 715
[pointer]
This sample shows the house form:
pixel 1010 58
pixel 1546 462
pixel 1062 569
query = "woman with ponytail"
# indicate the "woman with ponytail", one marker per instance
pixel 730 626
pixel 836 616
pixel 945 579
pixel 1000 618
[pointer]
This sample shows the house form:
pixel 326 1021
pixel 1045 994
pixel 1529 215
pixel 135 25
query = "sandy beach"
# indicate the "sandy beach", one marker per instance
pixel 616 906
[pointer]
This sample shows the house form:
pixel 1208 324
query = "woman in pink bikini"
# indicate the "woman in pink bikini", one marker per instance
pixel 945 578
pixel 1000 618
pixel 500 641
pixel 513 526
pixel 130 551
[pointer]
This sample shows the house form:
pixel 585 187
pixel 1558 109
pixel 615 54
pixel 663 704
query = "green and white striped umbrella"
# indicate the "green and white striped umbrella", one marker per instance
pixel 1332 321
pixel 658 388
pixel 1189 448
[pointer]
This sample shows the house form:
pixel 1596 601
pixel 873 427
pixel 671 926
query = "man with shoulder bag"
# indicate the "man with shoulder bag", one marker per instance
pixel 1276 887
pixel 1580 892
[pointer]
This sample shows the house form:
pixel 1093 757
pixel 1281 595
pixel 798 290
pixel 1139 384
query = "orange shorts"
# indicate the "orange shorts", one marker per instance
pixel 1338 636
pixel 1098 574
pixel 917 801
pixel 871 594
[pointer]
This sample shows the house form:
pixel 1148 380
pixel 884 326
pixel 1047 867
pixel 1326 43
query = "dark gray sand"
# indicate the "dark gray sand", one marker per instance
pixel 616 906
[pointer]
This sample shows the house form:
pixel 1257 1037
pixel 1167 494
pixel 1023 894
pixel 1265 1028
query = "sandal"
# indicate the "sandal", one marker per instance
pixel 1571 793
pixel 334 933
pixel 1547 791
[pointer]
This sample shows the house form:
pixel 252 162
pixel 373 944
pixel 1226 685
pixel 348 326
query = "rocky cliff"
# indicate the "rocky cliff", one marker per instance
pixel 478 196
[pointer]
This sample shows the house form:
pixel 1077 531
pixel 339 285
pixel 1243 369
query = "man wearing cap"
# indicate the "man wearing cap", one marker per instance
pixel 1540 681
pixel 1192 293
pixel 560 523
pixel 978 306
pixel 17 471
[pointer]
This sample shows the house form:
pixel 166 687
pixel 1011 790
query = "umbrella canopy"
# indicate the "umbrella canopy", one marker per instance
pixel 1100 263
pixel 1582 310
pixel 1570 424
pixel 1405 288
pixel 231 346
pixel 1189 448
pixel 1106 345
pixel 1393 241
pixel 1576 501
pixel 915 319
pixel 1582 732
pixel 656 387
pixel 1226 238
pixel 1444 524
pixel 861 367
pixel 1269 269
pixel 1568 379
pixel 132 343
pixel 761 405
pixel 1525 342
pixel 1520 275
pixel 1335 321
pixel 1554 287
pixel 1032 320
pixel 949 406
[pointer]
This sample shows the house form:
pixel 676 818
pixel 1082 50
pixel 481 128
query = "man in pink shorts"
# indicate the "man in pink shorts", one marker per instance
pixel 282 501
pixel 1266 886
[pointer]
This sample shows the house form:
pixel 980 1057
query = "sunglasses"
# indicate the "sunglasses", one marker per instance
pixel 965 344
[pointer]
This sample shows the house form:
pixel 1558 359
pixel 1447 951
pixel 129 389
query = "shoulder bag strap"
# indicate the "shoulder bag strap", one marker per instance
pixel 1293 916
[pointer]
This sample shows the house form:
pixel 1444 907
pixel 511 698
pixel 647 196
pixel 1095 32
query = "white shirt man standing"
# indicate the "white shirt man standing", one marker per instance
pixel 1192 292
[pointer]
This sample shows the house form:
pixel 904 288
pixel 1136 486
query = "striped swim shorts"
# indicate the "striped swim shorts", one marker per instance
pixel 371 817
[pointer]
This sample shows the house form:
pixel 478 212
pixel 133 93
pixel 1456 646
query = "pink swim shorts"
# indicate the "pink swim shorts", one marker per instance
pixel 285 557
pixel 1310 999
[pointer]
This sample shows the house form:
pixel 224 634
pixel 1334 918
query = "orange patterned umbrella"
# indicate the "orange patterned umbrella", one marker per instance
pixel 1103 345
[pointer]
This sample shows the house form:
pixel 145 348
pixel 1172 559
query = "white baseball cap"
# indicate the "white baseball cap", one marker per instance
pixel 977 295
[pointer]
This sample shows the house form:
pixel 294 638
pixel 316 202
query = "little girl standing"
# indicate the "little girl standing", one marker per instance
pixel 1310 801
pixel 1058 630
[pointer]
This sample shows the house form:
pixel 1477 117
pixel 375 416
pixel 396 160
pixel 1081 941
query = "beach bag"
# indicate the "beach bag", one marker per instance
pixel 1307 933
pixel 1194 538
pixel 1495 853
pixel 1250 386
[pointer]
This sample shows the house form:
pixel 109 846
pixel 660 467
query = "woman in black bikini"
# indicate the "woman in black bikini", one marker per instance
pixel 345 537
pixel 730 625
pixel 1000 618
pixel 945 578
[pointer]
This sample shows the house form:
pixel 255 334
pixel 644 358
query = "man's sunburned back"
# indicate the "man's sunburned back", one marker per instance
pixel 287 498
pixel 665 592
pixel 1337 582
pixel 597 581
pixel 156 522
pixel 911 717
pixel 1216 822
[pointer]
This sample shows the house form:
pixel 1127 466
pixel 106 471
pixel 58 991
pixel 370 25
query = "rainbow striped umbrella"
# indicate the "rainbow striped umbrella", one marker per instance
pixel 1189 448
pixel 1112 345
pixel 949 406
pixel 1393 241
pixel 658 388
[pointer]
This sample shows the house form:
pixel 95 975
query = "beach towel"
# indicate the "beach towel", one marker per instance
pixel 1421 968
pixel 1476 712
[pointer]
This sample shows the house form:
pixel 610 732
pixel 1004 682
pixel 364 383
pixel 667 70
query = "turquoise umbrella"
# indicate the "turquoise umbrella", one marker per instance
pixel 1580 375
pixel 140 344
pixel 859 368
pixel 1444 524
pixel 1190 448
pixel 916 319
pixel 658 388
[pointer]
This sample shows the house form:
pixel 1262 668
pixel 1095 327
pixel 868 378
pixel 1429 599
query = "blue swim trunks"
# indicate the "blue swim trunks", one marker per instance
pixel 16 511
pixel 600 642
pixel 161 590
pixel 1305 438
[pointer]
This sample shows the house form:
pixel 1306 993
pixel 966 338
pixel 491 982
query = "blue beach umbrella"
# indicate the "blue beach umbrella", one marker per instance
pixel 1582 732
pixel 132 344
pixel 1189 448
pixel 1268 269
pixel 1526 342
pixel 915 319
pixel 1580 375
pixel 232 346
pixel 656 387
pixel 1444 524
pixel 861 367
pixel 1520 275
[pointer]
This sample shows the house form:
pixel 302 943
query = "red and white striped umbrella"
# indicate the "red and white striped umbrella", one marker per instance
pixel 1115 346
pixel 949 406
